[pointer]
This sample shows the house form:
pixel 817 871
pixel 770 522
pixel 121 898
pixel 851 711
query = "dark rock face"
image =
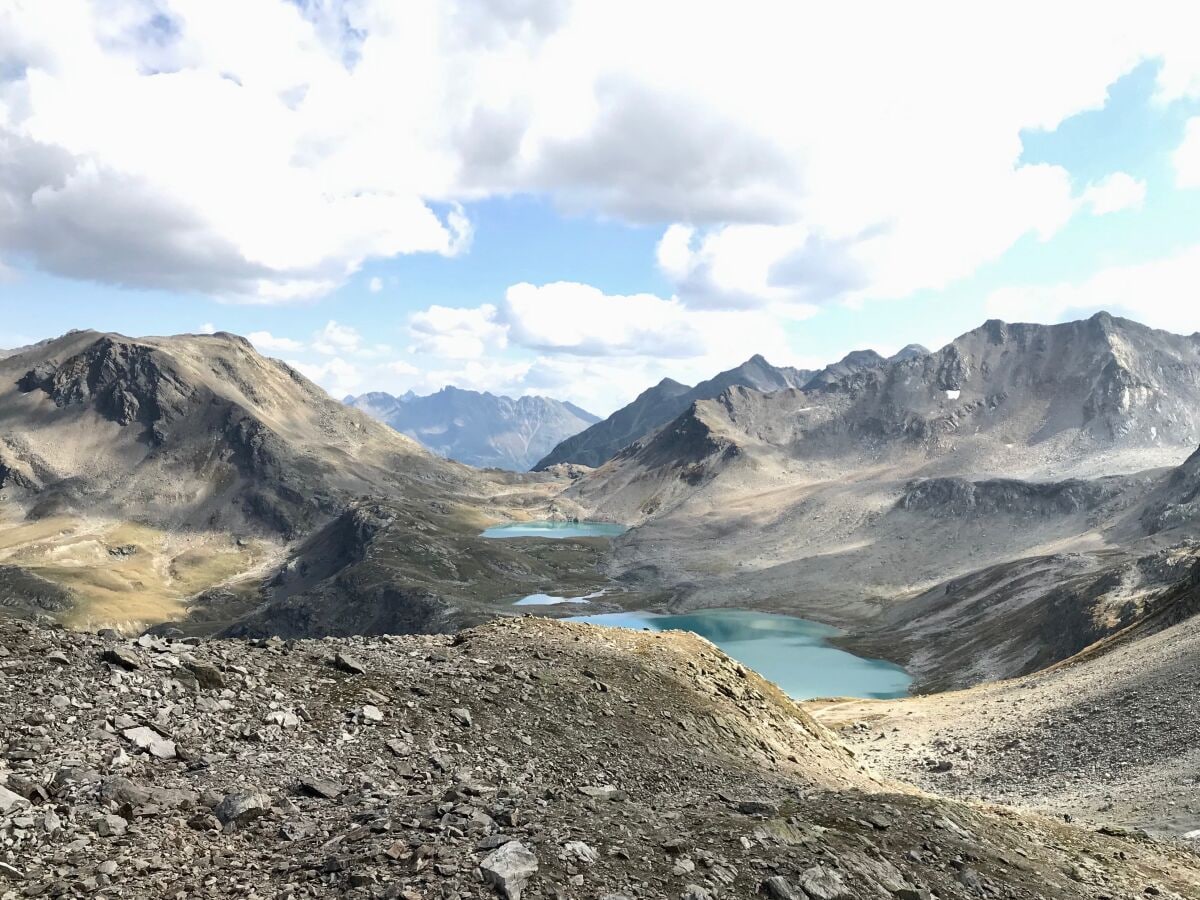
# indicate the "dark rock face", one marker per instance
pixel 479 429
pixel 123 382
pixel 959 497
pixel 1177 503
pixel 26 594
pixel 853 362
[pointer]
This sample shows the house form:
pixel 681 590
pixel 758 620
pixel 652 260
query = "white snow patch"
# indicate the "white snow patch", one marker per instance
pixel 953 395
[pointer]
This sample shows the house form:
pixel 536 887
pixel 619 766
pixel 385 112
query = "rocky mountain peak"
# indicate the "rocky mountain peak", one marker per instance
pixel 239 438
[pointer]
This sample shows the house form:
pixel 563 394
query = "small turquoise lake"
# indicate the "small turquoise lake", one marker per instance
pixel 793 653
pixel 555 530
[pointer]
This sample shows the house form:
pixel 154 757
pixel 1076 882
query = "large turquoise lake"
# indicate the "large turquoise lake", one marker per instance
pixel 793 653
pixel 555 530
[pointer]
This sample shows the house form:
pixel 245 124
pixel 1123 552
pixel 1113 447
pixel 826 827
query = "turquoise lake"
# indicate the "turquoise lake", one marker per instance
pixel 793 653
pixel 555 530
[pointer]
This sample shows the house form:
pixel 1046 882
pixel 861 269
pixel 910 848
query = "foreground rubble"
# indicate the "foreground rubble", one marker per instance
pixel 524 759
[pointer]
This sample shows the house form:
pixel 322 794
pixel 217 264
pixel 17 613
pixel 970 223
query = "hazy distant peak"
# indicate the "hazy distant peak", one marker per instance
pixel 478 427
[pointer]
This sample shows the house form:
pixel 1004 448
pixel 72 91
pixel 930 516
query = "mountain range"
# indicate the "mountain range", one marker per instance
pixel 1013 518
pixel 985 499
pixel 660 404
pixel 479 429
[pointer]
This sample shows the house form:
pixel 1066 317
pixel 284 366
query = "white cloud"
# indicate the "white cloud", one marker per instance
pixel 1115 192
pixel 375 285
pixel 674 251
pixel 1162 293
pixel 401 367
pixel 457 333
pixel 264 151
pixel 208 328
pixel 266 342
pixel 1187 156
pixel 336 338
pixel 338 376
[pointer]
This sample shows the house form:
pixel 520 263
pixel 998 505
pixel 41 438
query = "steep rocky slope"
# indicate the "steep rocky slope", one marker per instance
pixel 527 759
pixel 659 405
pixel 479 429
pixel 1109 736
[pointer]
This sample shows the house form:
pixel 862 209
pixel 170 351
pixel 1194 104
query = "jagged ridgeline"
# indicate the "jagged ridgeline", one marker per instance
pixel 660 404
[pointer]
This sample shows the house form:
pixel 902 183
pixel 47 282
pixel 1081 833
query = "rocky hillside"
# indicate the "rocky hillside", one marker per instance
pixel 660 404
pixel 479 429
pixel 1107 738
pixel 152 479
pixel 527 759
pixel 192 431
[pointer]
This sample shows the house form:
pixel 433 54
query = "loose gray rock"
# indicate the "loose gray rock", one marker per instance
pixel 821 883
pixel 580 852
pixel 600 792
pixel 509 869
pixel 777 888
pixel 11 801
pixel 121 657
pixel 349 664
pixel 208 677
pixel 322 787
pixel 111 826
pixel 242 807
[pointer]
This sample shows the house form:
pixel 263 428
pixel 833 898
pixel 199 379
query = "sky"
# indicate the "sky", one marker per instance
pixel 577 199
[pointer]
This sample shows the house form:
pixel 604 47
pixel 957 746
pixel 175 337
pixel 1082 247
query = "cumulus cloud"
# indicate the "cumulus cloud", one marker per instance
pixel 457 333
pixel 338 376
pixel 375 285
pixel 401 367
pixel 266 342
pixel 265 151
pixel 1161 293
pixel 1187 156
pixel 336 338
pixel 1115 192
pixel 208 328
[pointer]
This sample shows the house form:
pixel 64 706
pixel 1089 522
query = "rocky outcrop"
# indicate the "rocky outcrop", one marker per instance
pixel 961 498
pixel 123 381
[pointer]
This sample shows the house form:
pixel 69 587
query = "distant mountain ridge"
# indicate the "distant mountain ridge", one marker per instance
pixel 480 429
pixel 660 404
